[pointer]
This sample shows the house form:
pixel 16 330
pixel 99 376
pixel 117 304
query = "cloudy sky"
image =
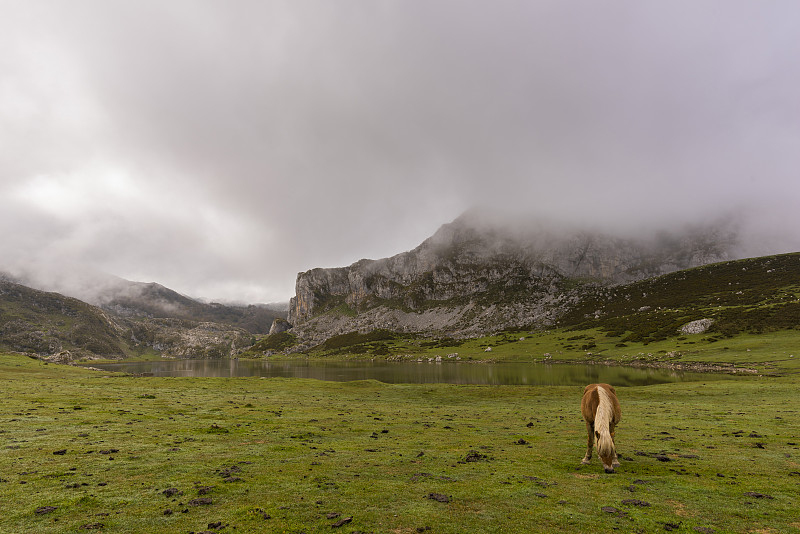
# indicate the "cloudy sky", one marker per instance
pixel 219 148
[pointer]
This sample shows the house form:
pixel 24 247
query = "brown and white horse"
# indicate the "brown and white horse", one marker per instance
pixel 601 411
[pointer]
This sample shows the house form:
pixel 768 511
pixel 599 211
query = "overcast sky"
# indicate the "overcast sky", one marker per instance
pixel 219 148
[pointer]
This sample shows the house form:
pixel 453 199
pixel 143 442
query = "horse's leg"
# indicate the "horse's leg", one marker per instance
pixel 614 463
pixel 589 443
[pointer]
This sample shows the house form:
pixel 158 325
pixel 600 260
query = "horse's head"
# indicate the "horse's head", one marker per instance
pixel 605 450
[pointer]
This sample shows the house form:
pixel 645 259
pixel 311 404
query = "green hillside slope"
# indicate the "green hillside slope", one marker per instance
pixel 48 323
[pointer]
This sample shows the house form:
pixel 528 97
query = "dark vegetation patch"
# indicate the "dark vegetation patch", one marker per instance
pixel 373 342
pixel 273 342
pixel 745 296
pixel 442 343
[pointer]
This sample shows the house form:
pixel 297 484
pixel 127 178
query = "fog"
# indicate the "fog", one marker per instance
pixel 219 148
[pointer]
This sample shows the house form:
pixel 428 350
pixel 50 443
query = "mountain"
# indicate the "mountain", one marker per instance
pixel 136 299
pixel 63 328
pixel 480 274
pixel 125 298
pixel 49 323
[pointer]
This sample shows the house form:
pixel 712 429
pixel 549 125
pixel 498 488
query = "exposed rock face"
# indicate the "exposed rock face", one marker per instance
pixel 471 278
pixel 188 339
pixel 279 325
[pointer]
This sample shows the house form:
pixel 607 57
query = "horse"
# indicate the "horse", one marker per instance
pixel 601 411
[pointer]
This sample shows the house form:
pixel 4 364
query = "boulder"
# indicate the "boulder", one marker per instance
pixel 697 327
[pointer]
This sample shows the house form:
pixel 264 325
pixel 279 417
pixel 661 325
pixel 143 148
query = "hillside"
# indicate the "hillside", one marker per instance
pixel 63 328
pixel 136 299
pixel 476 276
pixel 124 298
pixel 755 296
pixel 49 323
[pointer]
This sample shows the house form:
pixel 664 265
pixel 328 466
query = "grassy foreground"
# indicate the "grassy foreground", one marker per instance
pixel 84 451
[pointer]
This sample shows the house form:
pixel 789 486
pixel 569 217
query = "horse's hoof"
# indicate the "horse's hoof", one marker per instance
pixel 585 461
pixel 609 469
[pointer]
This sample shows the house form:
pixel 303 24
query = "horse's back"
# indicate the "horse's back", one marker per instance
pixel 591 399
pixel 589 402
pixel 591 390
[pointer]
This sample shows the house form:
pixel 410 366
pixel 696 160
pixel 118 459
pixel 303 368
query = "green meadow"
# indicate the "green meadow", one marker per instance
pixel 773 353
pixel 84 451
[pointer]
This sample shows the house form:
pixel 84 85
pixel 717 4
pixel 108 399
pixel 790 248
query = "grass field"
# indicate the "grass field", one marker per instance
pixel 83 451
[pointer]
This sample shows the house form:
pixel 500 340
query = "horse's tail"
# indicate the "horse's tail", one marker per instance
pixel 602 422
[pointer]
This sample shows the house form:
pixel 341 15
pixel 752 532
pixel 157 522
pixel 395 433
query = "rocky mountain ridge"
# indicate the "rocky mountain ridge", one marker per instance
pixel 61 328
pixel 151 300
pixel 474 277
pixel 125 298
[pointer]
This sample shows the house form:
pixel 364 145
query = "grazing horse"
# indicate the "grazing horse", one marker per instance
pixel 600 409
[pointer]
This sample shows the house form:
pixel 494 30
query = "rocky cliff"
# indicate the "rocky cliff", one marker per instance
pixel 475 276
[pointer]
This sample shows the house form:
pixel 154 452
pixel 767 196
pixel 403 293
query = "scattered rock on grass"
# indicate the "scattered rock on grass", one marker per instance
pixel 342 522
pixel 46 509
pixel 756 495
pixel 635 502
pixel 171 492
pixel 615 511
pixel 227 472
pixel 438 497
pixel 539 481
pixel 475 456
pixel 202 501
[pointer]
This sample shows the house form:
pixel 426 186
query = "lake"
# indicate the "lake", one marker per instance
pixel 533 374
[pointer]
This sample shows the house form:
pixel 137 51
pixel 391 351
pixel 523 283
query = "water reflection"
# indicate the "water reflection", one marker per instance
pixel 533 374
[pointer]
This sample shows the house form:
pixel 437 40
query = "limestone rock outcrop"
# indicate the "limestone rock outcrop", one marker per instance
pixel 279 325
pixel 472 277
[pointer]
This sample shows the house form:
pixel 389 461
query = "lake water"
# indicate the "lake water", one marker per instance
pixel 532 374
